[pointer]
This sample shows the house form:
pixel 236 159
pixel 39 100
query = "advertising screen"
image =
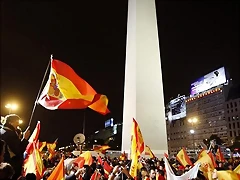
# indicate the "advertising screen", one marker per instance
pixel 209 81
pixel 177 108
pixel 109 123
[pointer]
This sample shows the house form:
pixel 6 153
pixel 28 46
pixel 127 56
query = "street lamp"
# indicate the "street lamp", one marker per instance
pixel 192 131
pixel 20 121
pixel 193 120
pixel 11 107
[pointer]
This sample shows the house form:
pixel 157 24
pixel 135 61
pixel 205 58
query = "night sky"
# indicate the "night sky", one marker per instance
pixel 195 39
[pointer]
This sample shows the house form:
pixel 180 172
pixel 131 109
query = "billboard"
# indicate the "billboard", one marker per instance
pixel 109 123
pixel 176 108
pixel 209 81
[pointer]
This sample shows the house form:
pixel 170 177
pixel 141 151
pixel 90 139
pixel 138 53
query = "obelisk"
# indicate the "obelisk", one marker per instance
pixel 143 91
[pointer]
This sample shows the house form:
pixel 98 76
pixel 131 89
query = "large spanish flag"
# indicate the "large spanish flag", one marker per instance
pixel 66 90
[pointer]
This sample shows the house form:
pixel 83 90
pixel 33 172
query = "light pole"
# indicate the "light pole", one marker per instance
pixel 193 121
pixel 192 132
pixel 11 107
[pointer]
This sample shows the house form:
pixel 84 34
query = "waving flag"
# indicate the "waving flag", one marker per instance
pixel 66 90
pixel 183 158
pixel 137 147
pixel 58 172
pixel 33 138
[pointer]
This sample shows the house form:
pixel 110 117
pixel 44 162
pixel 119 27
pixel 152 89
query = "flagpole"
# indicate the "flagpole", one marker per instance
pixel 35 103
pixel 84 120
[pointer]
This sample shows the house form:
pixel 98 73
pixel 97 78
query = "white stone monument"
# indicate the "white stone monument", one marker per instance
pixel 143 91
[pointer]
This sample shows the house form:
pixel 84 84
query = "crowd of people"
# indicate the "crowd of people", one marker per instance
pixel 13 144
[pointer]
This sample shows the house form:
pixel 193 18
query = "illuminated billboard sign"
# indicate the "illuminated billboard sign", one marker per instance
pixel 177 108
pixel 209 81
pixel 109 123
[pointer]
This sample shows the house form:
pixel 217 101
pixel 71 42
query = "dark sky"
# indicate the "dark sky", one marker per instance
pixel 195 39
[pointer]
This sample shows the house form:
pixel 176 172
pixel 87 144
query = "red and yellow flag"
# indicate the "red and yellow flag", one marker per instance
pixel 227 175
pixel 33 138
pixel 149 152
pixel 66 90
pixel 87 158
pixel 34 163
pixel 237 169
pixel 51 149
pixel 102 149
pixel 123 156
pixel 183 158
pixel 58 172
pixel 219 155
pixel 137 147
pixel 107 168
pixel 41 145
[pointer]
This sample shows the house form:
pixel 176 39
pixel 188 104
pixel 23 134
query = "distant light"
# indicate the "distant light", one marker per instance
pixel 192 131
pixel 20 121
pixel 95 140
pixel 96 132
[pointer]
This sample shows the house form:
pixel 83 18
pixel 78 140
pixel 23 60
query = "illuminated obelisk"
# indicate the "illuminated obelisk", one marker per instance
pixel 143 91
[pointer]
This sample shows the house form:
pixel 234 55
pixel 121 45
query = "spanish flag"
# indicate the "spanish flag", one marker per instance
pixel 237 169
pixel 58 172
pixel 66 90
pixel 34 163
pixel 227 175
pixel 183 158
pixel 33 138
pixel 137 147
pixel 101 149
pixel 219 155
pixel 149 152
pixel 51 149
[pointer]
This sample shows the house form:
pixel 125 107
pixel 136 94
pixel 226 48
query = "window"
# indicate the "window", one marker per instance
pixel 230 127
pixel 230 133
pixel 228 106
pixel 233 125
pixel 231 104
pixel 228 118
pixel 235 104
pixel 237 124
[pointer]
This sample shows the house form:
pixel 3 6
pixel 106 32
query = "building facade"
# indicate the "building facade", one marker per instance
pixel 208 108
pixel 232 113
pixel 205 116
pixel 177 135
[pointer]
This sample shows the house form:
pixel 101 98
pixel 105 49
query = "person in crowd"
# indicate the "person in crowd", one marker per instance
pixel 6 171
pixel 15 146
pixel 152 174
pixel 160 174
pixel 2 150
pixel 31 176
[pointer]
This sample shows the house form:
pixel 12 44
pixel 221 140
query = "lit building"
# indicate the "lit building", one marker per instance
pixel 208 109
pixel 110 135
pixel 204 114
pixel 232 112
